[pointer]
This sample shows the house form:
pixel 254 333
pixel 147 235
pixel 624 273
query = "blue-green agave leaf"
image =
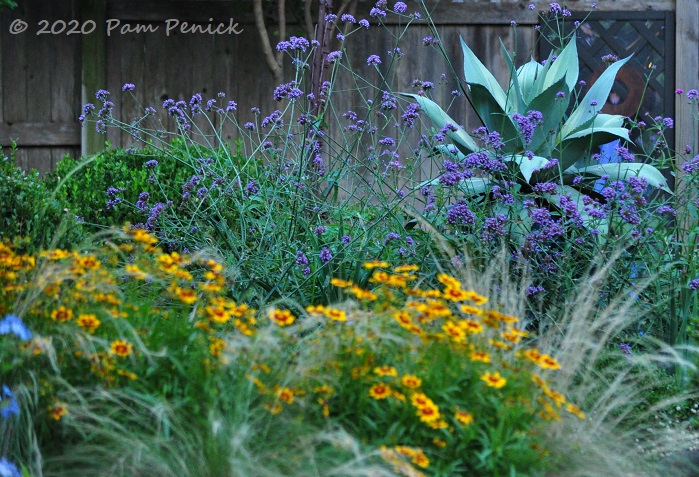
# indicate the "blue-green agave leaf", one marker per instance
pixel 440 119
pixel 527 166
pixel 564 67
pixel 624 170
pixel 476 73
pixel 475 186
pixel 451 152
pixel 588 221
pixel 495 118
pixel 553 109
pixel 528 74
pixel 514 94
pixel 598 92
pixel 599 122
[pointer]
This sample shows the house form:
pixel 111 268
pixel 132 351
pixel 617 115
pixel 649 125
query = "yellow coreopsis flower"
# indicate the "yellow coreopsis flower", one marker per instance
pixel 464 418
pixel 411 381
pixel 121 348
pixel 282 317
pixel 494 379
pixel 62 314
pixel 375 264
pixel 386 371
pixel 380 391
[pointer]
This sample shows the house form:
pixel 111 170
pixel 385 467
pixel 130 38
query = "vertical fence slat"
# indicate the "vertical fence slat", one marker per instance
pixel 93 68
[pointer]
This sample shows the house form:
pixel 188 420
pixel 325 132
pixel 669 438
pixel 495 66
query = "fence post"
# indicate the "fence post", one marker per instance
pixel 93 69
pixel 686 77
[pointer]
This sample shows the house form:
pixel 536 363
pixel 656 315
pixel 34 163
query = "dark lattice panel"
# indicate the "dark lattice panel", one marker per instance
pixel 649 36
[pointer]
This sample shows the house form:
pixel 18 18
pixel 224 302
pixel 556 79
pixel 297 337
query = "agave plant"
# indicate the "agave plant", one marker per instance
pixel 539 141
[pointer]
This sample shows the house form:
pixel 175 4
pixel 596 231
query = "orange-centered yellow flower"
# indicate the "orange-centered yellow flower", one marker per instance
pixel 281 317
pixel 454 331
pixel 380 391
pixel 471 326
pixel 335 314
pixel 286 395
pixel 62 314
pixel 386 371
pixel 428 413
pixel 448 281
pixel 411 381
pixel 88 322
pixel 481 356
pixel 455 294
pixel 121 348
pixel 375 264
pixel 463 418
pixel 494 379
pixel 57 410
pixel 548 362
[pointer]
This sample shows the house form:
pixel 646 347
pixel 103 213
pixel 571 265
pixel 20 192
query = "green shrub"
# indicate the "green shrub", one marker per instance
pixel 28 210
pixel 83 183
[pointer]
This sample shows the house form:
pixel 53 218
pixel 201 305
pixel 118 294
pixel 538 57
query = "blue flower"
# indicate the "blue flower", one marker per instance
pixel 8 469
pixel 13 324
pixel 11 407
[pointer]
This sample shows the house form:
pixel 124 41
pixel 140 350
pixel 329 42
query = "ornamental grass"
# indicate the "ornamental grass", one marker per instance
pixel 130 360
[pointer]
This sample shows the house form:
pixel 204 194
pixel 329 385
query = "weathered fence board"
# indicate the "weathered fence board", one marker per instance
pixel 45 79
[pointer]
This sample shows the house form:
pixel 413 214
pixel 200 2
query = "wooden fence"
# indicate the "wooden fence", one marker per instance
pixel 45 78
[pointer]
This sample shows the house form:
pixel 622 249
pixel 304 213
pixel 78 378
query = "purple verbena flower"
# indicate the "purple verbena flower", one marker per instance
pixel 460 214
pixel 373 60
pixel 334 56
pixel 325 255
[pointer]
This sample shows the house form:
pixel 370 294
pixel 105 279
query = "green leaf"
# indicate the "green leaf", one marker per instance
pixel 527 166
pixel 624 170
pixel 598 92
pixel 572 150
pixel 447 150
pixel 440 119
pixel 618 132
pixel 600 121
pixel 475 186
pixel 476 73
pixel 538 85
pixel 514 94
pixel 527 75
pixel 495 118
pixel 553 110
pixel 564 67
pixel 588 221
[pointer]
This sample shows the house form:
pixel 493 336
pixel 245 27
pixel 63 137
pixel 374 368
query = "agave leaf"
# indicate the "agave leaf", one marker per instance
pixel 574 149
pixel 565 67
pixel 514 94
pixel 476 73
pixel 553 110
pixel 475 186
pixel 618 132
pixel 495 118
pixel 588 221
pixel 598 92
pixel 538 85
pixel 527 166
pixel 599 122
pixel 440 119
pixel 527 75
pixel 624 170
pixel 447 150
